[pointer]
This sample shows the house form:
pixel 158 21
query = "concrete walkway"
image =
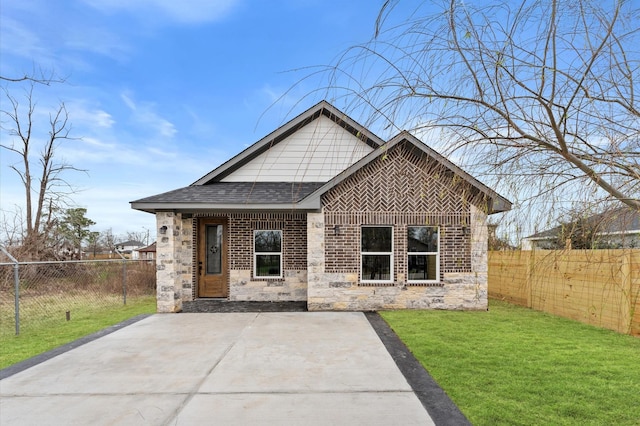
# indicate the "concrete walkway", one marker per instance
pixel 281 368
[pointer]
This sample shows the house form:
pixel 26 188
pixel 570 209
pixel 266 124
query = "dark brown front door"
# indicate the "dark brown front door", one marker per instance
pixel 212 258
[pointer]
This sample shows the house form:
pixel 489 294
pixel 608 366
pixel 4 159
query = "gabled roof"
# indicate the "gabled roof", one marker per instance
pixel 497 203
pixel 211 193
pixel 150 248
pixel 322 108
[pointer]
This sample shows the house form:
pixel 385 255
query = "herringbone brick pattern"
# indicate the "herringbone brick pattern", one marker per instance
pixel 401 181
pixel 400 188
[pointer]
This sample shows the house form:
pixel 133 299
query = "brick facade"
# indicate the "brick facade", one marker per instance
pixel 399 189
pixel 321 250
pixel 398 183
pixel 294 238
pixel 242 284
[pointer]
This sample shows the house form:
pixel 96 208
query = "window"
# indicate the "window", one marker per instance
pixel 267 254
pixel 214 236
pixel 423 263
pixel 377 254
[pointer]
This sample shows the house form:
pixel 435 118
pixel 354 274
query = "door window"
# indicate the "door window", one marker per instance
pixel 214 249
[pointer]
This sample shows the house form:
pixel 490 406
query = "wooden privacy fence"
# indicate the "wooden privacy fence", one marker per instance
pixel 598 287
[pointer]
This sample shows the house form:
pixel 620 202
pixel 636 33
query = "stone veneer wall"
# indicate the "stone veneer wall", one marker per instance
pixel 341 291
pixel 173 262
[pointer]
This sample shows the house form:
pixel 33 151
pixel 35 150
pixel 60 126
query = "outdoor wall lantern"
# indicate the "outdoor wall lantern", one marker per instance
pixel 163 229
pixel 336 229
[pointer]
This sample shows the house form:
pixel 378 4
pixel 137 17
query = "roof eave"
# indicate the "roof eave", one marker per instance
pixel 225 207
pixel 497 204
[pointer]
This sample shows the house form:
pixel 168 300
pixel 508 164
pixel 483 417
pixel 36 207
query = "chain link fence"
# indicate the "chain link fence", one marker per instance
pixel 40 294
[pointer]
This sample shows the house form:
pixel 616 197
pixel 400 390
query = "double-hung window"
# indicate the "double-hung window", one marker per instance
pixel 267 254
pixel 423 263
pixel 376 250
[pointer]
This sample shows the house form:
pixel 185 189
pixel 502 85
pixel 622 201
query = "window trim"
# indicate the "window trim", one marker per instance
pixel 261 253
pixel 378 253
pixel 424 253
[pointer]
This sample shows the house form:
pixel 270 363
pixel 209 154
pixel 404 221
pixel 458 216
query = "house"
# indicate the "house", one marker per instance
pixel 322 210
pixel 129 248
pixel 147 253
pixel 617 227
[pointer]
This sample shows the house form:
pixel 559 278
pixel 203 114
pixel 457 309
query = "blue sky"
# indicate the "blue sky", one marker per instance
pixel 162 91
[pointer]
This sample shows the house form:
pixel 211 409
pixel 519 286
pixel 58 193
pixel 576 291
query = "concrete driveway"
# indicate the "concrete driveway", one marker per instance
pixel 222 369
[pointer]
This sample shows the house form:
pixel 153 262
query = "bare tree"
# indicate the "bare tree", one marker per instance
pixel 45 188
pixel 538 93
pixel 40 76
pixel 12 226
pixel 108 240
pixel 140 236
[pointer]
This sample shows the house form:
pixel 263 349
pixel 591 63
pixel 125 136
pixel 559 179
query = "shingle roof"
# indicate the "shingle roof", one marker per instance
pixel 149 248
pixel 284 195
pixel 210 193
pixel 232 193
pixel 130 243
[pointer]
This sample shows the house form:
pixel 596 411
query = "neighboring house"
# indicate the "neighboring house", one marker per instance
pixel 147 253
pixel 323 211
pixel 129 248
pixel 616 228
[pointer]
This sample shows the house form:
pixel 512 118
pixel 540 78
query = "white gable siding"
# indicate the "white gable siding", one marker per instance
pixel 315 153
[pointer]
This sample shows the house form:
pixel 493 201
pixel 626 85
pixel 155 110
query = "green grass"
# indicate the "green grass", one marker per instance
pixel 515 366
pixel 47 335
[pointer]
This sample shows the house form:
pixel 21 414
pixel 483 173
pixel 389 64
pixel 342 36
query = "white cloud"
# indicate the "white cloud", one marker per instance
pixel 84 116
pixel 182 12
pixel 98 40
pixel 145 115
pixel 40 33
pixel 97 144
pixel 20 40
pixel 161 153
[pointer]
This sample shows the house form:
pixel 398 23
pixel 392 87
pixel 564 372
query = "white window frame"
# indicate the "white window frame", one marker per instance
pixel 423 253
pixel 257 253
pixel 377 253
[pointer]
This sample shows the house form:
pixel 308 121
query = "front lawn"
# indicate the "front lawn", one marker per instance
pixel 516 366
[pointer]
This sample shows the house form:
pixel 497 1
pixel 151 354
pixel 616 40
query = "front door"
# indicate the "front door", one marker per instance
pixel 212 257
